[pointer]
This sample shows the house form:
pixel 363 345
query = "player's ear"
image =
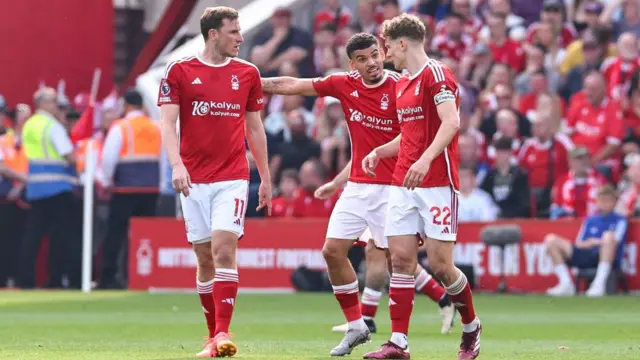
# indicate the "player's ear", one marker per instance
pixel 351 64
pixel 212 33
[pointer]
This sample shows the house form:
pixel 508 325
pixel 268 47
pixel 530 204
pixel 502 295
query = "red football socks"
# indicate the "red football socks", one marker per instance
pixel 205 290
pixel 369 303
pixel 427 285
pixel 224 296
pixel 460 294
pixel 401 295
pixel 347 296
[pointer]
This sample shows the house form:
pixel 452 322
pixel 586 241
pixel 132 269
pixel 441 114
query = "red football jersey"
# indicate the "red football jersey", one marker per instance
pixel 418 97
pixel 509 53
pixel 568 34
pixel 534 158
pixel 370 111
pixel 578 196
pixel 451 49
pixel 213 100
pixel 594 127
pixel 306 205
pixel 618 74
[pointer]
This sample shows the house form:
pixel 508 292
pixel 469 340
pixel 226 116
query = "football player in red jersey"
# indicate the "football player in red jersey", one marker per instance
pixel 218 98
pixel 423 198
pixel 367 98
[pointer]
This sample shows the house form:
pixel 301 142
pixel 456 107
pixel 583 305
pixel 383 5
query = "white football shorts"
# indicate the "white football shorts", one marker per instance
pixel 360 206
pixel 215 206
pixel 429 212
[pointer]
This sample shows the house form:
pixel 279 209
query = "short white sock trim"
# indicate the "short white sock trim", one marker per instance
pixel 205 287
pixel 422 279
pixel 458 286
pixel 346 289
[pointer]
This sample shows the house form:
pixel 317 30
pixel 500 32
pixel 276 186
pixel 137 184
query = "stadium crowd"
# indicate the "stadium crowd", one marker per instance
pixel 550 113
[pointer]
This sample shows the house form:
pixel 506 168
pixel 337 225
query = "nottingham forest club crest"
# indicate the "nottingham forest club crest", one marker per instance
pixel 235 83
pixel 384 102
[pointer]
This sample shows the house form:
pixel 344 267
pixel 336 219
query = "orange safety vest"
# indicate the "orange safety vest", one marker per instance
pixel 14 158
pixel 138 168
pixel 81 151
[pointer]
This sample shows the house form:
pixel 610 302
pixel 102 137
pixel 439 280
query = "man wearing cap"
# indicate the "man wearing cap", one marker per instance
pixel 574 194
pixel 552 12
pixel 49 189
pixel 282 43
pixel 130 165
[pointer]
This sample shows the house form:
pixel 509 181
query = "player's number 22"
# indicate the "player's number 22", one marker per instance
pixel 441 216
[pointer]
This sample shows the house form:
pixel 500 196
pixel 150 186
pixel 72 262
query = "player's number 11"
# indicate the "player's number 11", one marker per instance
pixel 239 206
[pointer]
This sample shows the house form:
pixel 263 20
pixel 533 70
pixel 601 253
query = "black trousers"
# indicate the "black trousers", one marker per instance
pixel 122 208
pixel 12 226
pixel 56 217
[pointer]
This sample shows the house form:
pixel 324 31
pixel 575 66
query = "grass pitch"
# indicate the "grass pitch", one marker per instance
pixel 126 325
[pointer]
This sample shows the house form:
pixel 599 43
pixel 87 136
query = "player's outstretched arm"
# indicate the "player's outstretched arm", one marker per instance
pixel 257 139
pixel 168 119
pixel 286 85
pixel 327 190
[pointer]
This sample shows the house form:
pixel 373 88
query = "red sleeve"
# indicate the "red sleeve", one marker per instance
pixel 444 88
pixel 169 92
pixel 574 110
pixel 556 192
pixel 615 126
pixel 329 85
pixel 256 97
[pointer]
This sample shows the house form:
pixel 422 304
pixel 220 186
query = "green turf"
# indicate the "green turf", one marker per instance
pixel 123 325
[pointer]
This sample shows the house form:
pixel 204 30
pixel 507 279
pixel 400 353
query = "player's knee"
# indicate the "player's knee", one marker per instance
pixel 403 262
pixel 333 250
pixel 440 269
pixel 550 241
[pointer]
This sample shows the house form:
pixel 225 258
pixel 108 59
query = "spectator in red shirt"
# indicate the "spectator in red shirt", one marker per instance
pixel 312 175
pixel 618 70
pixel 596 123
pixel 333 12
pixel 288 188
pixel 574 194
pixel 454 43
pixel 545 157
pixel 552 13
pixel 629 204
pixel 632 117
pixel 504 50
pixel 539 85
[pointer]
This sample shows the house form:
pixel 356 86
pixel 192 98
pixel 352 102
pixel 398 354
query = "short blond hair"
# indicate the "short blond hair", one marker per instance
pixel 213 18
pixel 404 25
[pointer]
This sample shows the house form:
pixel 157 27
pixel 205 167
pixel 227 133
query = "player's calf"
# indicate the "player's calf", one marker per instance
pixel 204 283
pixel 225 287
